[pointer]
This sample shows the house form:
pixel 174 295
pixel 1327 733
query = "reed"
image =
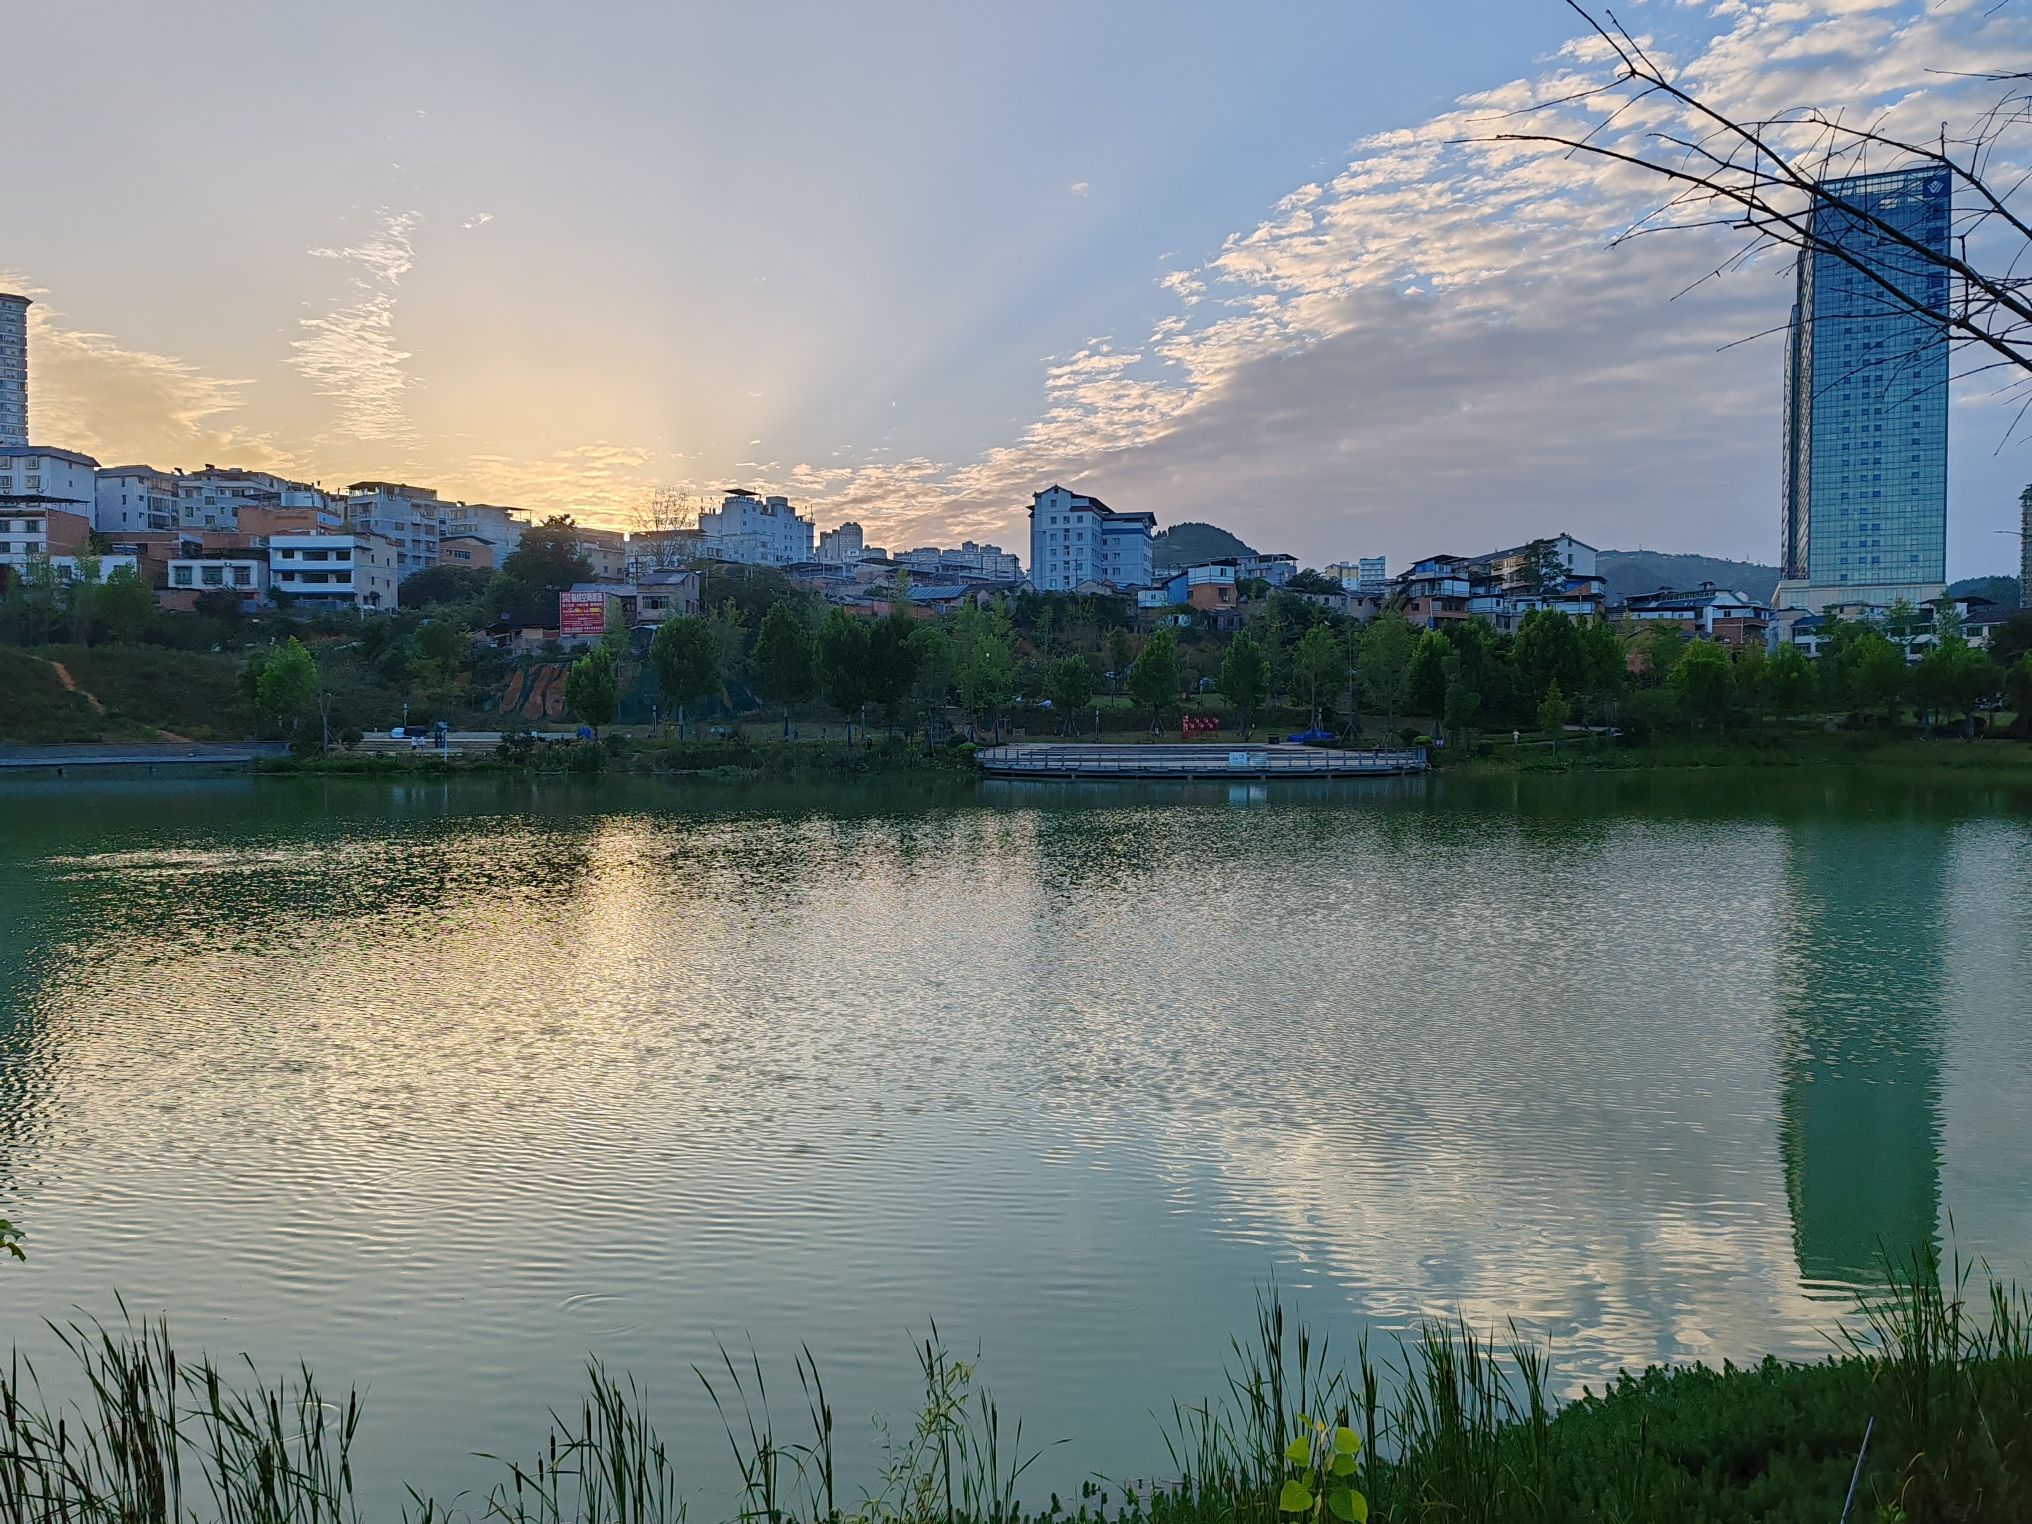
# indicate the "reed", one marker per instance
pixel 1461 1427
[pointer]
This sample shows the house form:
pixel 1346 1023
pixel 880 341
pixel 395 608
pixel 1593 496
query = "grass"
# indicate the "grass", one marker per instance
pixel 1767 747
pixel 1924 1415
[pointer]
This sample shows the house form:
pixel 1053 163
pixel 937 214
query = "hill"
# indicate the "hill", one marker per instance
pixel 1645 571
pixel 2002 591
pixel 1188 544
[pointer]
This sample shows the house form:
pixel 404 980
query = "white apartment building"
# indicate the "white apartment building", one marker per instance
pixel 843 546
pixel 212 498
pixel 1076 539
pixel 409 518
pixel 970 562
pixel 363 570
pixel 135 500
pixel 499 528
pixel 755 531
pixel 45 503
pixel 246 575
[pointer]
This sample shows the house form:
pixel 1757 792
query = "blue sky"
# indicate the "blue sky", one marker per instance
pixel 910 262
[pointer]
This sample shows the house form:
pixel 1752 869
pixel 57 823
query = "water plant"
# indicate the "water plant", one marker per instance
pixel 1460 1427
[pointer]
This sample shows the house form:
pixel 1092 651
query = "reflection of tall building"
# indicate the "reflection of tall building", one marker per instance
pixel 1860 1048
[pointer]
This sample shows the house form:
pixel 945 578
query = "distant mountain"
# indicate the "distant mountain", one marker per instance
pixel 1188 544
pixel 2002 591
pixel 1645 571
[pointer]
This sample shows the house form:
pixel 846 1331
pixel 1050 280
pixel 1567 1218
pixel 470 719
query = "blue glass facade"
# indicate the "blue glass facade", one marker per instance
pixel 1865 483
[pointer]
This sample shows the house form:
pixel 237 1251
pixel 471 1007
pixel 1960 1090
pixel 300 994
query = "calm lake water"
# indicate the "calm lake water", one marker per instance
pixel 443 1088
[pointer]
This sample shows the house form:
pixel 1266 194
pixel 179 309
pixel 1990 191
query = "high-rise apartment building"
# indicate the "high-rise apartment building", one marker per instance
pixel 1865 479
pixel 1075 538
pixel 2025 549
pixel 13 370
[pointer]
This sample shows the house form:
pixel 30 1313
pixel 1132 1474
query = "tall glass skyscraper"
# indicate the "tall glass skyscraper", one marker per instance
pixel 1865 481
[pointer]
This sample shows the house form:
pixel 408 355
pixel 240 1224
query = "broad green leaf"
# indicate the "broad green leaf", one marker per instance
pixel 1295 1498
pixel 1347 1441
pixel 1348 1504
pixel 1302 1421
pixel 1299 1451
pixel 1343 1465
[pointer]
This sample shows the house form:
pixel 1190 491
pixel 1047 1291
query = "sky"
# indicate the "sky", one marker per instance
pixel 911 262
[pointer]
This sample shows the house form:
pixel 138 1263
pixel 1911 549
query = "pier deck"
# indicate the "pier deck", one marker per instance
pixel 1194 760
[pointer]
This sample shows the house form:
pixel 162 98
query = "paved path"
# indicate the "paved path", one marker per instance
pixel 142 754
pixel 1194 760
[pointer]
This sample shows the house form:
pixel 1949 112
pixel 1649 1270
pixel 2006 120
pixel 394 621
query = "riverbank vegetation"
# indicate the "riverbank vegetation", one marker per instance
pixel 766 654
pixel 1923 1413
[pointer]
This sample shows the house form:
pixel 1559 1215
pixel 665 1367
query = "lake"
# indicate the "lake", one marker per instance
pixel 443 1087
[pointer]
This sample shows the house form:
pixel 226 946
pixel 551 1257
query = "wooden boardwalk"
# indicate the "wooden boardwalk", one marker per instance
pixel 143 754
pixel 1195 760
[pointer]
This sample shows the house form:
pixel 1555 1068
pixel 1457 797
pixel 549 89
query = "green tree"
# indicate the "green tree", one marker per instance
pixel 1748 681
pixel 1701 679
pixel 1383 661
pixel 983 661
pixel 1120 656
pixel 1549 650
pixel 33 609
pixel 286 683
pixel 1463 706
pixel 445 584
pixel 1552 713
pixel 2018 691
pixel 1245 678
pixel 1319 668
pixel 445 643
pixel 1875 671
pixel 785 669
pixel 550 557
pixel 1072 687
pixel 1659 649
pixel 684 654
pixel 892 656
pixel 126 605
pixel 1788 680
pixel 1605 668
pixel 1153 680
pixel 591 689
pixel 843 664
pixel 1425 685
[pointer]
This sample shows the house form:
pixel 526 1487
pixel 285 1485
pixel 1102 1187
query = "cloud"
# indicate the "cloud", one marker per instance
pixel 349 354
pixel 1078 188
pixel 1442 346
pixel 478 220
pixel 599 483
pixel 124 405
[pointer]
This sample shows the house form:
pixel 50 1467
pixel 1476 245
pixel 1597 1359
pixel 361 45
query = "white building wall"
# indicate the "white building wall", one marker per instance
pixel 756 531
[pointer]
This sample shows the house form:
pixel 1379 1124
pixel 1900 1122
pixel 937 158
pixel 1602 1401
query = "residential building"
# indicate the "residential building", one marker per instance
pixel 242 572
pixel 1496 587
pixel 46 504
pixel 1718 614
pixel 499 528
pixel 755 531
pixel 1275 569
pixel 2025 549
pixel 363 570
pixel 409 518
pixel 969 563
pixel 1077 540
pixel 13 371
pixel 1519 566
pixel 842 546
pixel 1369 575
pixel 469 550
pixel 212 498
pixel 1865 465
pixel 71 568
pixel 607 551
pixel 134 500
pixel 1209 585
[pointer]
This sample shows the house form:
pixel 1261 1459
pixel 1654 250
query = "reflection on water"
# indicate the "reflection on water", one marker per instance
pixel 1861 1043
pixel 444 1087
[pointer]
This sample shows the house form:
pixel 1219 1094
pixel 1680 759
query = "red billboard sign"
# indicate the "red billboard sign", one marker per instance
pixel 581 616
